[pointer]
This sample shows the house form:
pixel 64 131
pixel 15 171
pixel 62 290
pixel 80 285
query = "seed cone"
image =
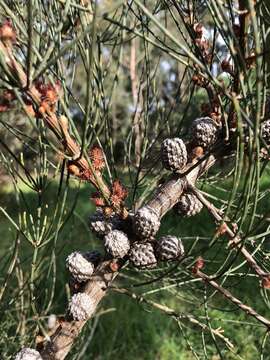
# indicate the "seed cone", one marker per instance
pixel 173 154
pixel 265 131
pixel 117 243
pixel 142 255
pixel 81 306
pixel 80 265
pixel 28 354
pixel 146 223
pixel 169 248
pixel 204 132
pixel 101 225
pixel 188 205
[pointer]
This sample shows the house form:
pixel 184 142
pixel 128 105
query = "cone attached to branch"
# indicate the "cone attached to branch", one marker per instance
pixel 188 205
pixel 173 154
pixel 80 266
pixel 81 306
pixel 142 255
pixel 28 354
pixel 169 248
pixel 204 132
pixel 117 243
pixel 146 223
pixel 101 225
pixel 265 131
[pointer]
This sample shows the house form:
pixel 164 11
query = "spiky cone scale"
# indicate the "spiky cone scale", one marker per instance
pixel 28 354
pixel 116 243
pixel 265 131
pixel 188 205
pixel 79 265
pixel 101 225
pixel 146 223
pixel 81 306
pixel 204 132
pixel 169 248
pixel 142 255
pixel 173 154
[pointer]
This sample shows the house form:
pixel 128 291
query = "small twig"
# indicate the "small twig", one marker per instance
pixel 247 309
pixel 165 309
pixel 235 239
pixel 51 120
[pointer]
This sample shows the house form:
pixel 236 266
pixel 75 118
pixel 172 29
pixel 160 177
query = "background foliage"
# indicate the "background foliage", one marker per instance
pixel 130 75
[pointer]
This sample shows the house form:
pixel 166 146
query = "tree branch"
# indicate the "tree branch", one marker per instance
pixel 63 338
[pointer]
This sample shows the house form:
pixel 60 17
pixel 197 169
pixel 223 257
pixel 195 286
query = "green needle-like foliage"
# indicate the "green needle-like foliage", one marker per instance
pixel 88 92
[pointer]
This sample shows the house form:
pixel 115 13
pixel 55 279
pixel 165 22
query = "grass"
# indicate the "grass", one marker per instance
pixel 127 329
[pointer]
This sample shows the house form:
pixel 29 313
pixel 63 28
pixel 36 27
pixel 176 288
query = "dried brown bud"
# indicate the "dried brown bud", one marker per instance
pixel 97 199
pixel 226 67
pixel 203 44
pixel 107 211
pixel 118 194
pixel 198 80
pixel 222 229
pixel 197 152
pixel 198 28
pixel 97 158
pixel 45 107
pixel 266 282
pixel 8 95
pixel 4 106
pixel 73 169
pixel 49 92
pixel 251 60
pixel 199 264
pixel 7 33
pixel 215 116
pixel 114 266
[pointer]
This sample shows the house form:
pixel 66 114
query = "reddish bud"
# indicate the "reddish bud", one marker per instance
pixel 73 169
pixel 49 92
pixel 97 158
pixel 266 282
pixel 216 116
pixel 119 193
pixel 199 264
pixel 222 229
pixel 7 33
pixel 44 107
pixel 198 80
pixel 226 67
pixel 198 28
pixel 8 95
pixel 197 152
pixel 97 200
pixel 203 44
pixel 86 175
pixel 4 106
pixel 114 266
pixel 119 190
